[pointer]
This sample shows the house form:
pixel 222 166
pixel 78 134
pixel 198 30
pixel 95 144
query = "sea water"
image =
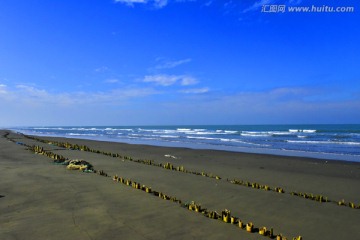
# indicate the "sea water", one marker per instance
pixel 337 142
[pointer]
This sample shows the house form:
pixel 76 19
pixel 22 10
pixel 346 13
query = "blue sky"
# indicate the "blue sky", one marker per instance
pixel 155 62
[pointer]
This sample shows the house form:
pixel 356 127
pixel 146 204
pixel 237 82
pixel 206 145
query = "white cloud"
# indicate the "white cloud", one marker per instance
pixel 280 105
pixel 188 80
pixel 229 4
pixel 291 92
pixel 168 80
pixel 163 80
pixel 32 91
pixel 28 95
pixel 156 3
pixel 101 69
pixel 3 89
pixel 160 3
pixel 130 2
pixel 257 5
pixel 195 90
pixel 172 64
pixel 111 80
pixel 295 2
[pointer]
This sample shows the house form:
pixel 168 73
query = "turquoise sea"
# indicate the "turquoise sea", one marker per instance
pixel 336 142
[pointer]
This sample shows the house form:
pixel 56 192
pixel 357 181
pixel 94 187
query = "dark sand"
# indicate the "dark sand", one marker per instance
pixel 40 200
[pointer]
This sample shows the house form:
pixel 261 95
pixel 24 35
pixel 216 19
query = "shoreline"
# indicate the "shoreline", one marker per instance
pixel 200 146
pixel 276 153
pixel 287 214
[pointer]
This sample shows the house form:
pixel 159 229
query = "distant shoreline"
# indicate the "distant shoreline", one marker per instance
pixel 326 141
pixel 300 156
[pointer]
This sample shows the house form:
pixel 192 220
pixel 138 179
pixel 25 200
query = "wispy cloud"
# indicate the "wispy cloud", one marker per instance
pixel 195 90
pixel 294 2
pixel 3 89
pixel 279 105
pixel 29 95
pixel 257 5
pixel 101 69
pixel 160 3
pixel 208 3
pixel 168 80
pixel 188 80
pixel 111 80
pixel 156 3
pixel 131 1
pixel 172 64
pixel 229 4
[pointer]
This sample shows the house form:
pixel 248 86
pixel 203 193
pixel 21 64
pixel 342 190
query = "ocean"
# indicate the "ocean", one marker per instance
pixel 333 142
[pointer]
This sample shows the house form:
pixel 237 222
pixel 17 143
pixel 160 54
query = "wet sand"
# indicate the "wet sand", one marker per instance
pixel 41 200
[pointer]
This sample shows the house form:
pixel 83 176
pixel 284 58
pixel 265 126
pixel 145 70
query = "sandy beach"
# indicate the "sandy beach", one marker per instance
pixel 43 200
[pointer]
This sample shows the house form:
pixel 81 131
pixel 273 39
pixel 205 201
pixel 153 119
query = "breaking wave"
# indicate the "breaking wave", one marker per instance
pixel 332 139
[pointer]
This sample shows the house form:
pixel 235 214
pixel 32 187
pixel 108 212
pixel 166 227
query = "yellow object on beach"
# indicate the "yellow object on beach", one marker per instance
pixel 226 215
pixel 241 224
pixel 78 165
pixel 281 237
pixel 83 167
pixel 73 167
pixel 263 231
pixel 249 227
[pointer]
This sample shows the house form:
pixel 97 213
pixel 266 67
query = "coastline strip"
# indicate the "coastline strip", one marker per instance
pixel 169 166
